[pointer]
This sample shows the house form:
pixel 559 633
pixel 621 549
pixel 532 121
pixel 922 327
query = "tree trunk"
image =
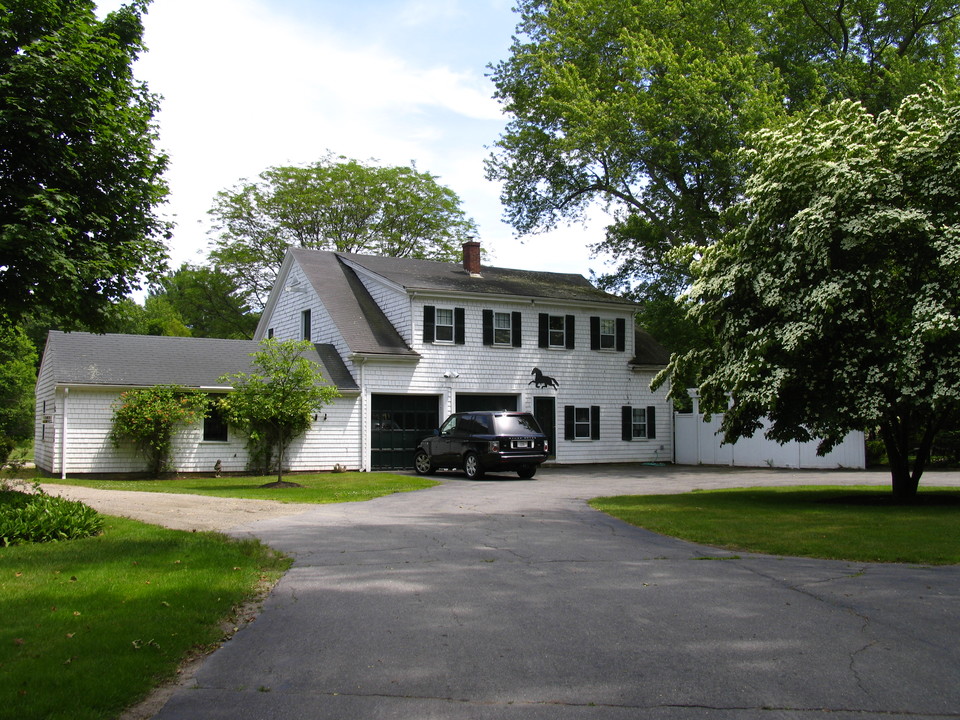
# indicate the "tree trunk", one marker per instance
pixel 280 453
pixel 896 440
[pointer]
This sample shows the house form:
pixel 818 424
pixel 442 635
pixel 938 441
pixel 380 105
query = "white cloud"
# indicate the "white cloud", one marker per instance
pixel 250 83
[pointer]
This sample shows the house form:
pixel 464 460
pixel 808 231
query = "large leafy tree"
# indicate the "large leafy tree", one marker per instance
pixel 642 106
pixel 18 374
pixel 155 317
pixel 79 174
pixel 332 204
pixel 208 301
pixel 273 404
pixel 836 300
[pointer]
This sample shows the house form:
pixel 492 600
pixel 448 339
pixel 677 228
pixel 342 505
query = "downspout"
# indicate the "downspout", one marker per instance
pixel 63 435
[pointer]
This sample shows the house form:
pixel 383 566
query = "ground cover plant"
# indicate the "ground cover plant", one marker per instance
pixel 843 523
pixel 91 626
pixel 315 487
pixel 38 517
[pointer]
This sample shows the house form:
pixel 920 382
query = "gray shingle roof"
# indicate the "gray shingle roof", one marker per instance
pixel 80 358
pixel 648 350
pixel 361 322
pixel 415 274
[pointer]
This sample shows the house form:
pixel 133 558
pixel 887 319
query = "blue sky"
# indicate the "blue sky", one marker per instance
pixel 248 84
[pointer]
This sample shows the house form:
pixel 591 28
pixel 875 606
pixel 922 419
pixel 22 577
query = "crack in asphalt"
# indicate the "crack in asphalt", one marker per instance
pixel 820 710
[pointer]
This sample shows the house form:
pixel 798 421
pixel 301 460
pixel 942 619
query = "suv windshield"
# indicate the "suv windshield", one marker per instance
pixel 516 425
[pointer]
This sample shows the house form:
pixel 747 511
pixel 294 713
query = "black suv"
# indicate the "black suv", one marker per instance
pixel 484 440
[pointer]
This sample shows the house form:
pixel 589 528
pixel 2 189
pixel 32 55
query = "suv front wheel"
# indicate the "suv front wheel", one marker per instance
pixel 471 466
pixel 422 464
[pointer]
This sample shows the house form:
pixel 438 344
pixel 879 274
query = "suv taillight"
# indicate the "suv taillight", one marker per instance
pixel 495 446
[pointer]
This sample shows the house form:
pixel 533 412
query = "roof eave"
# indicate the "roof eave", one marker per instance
pixel 427 292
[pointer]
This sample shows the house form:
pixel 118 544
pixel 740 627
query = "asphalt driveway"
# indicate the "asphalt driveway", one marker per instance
pixel 510 599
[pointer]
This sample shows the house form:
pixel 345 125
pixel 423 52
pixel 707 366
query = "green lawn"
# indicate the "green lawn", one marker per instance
pixel 845 523
pixel 91 626
pixel 317 488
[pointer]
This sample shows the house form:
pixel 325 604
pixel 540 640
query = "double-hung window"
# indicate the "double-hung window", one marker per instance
pixel 581 422
pixel 444 327
pixel 639 422
pixel 557 331
pixel 608 333
pixel 502 328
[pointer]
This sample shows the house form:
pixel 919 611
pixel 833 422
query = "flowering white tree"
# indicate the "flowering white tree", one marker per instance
pixel 836 301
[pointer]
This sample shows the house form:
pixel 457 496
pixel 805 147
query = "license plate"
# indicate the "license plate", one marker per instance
pixel 523 443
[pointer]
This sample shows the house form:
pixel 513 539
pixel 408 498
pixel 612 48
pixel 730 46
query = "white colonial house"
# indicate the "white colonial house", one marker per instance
pixel 407 342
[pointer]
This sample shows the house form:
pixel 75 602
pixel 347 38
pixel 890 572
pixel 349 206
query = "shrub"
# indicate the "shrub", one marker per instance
pixel 38 517
pixel 150 416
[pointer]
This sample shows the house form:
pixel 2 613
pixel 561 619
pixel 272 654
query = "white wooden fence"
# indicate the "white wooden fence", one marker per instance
pixel 698 442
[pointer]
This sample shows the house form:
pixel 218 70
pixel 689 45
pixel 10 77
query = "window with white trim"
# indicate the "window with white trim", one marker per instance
pixel 557 331
pixel 502 328
pixel 443 329
pixel 581 423
pixel 608 333
pixel 639 422
pixel 444 325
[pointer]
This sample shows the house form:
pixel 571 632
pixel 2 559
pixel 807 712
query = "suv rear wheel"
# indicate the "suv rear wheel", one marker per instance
pixel 471 466
pixel 527 471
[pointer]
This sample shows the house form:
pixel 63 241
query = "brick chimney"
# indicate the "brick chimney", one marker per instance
pixel 471 257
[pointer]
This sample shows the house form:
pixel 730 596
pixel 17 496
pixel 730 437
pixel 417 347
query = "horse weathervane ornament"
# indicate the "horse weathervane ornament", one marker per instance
pixel 541 380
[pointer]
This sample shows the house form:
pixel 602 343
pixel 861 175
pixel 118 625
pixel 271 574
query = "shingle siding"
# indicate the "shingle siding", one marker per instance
pixel 371 313
pixel 90 450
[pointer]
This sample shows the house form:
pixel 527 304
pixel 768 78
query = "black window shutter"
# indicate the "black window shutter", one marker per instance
pixel 568 431
pixel 594 332
pixel 651 421
pixel 544 340
pixel 594 422
pixel 429 322
pixel 517 323
pixel 488 327
pixel 621 334
pixel 571 341
pixel 459 326
pixel 626 422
